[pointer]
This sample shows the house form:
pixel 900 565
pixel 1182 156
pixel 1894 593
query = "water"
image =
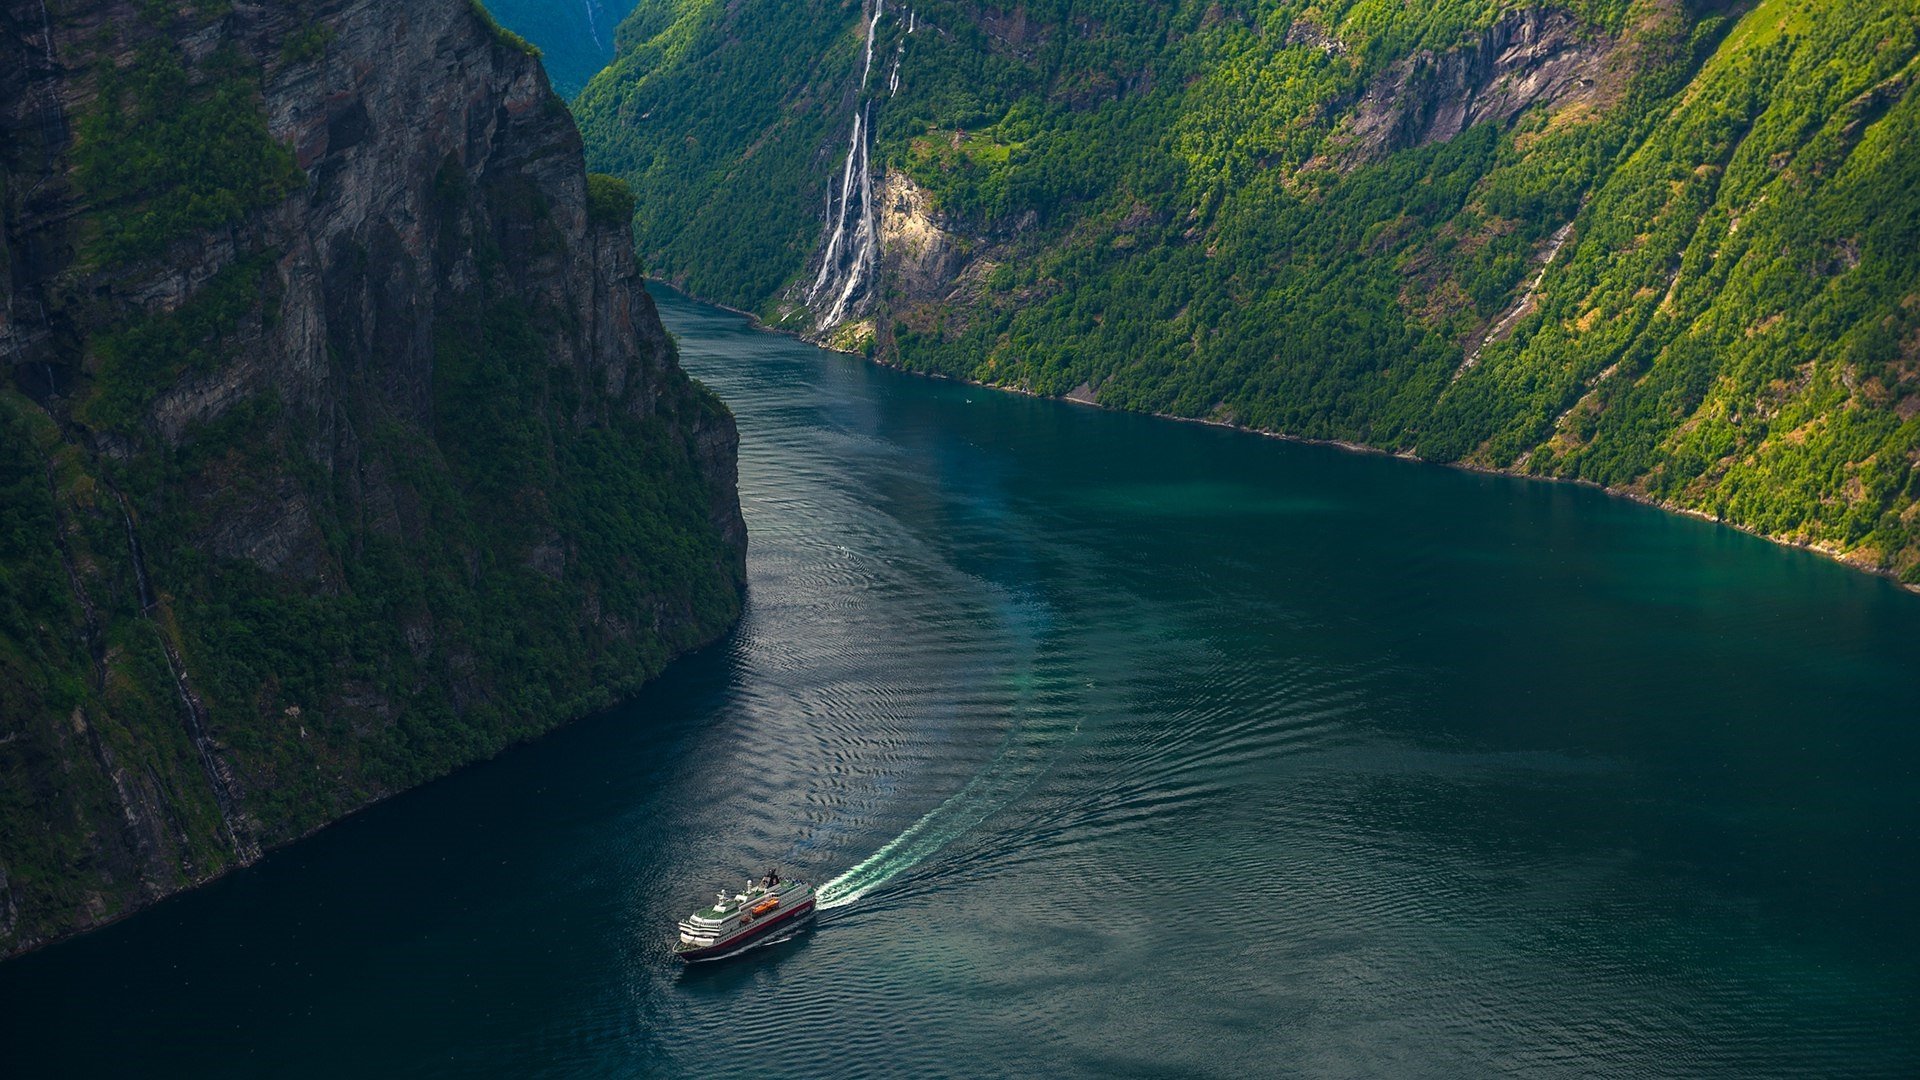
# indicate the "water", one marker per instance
pixel 1129 748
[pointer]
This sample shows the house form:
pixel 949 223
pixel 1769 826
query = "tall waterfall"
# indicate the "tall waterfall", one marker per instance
pixel 844 281
pixel 593 25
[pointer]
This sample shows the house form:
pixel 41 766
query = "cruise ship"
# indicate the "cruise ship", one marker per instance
pixel 737 921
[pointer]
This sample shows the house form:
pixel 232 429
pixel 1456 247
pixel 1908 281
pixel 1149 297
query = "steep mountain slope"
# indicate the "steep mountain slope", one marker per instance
pixel 1660 246
pixel 339 443
pixel 575 37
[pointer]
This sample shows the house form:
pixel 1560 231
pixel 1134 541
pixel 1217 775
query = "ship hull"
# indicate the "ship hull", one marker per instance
pixel 748 936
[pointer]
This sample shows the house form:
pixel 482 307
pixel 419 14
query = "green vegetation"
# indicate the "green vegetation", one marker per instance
pixel 308 45
pixel 470 620
pixel 143 358
pixel 167 152
pixel 1173 204
pixel 500 33
pixel 40 657
pixel 1748 278
pixel 610 199
pixel 715 152
pixel 88 691
pixel 380 550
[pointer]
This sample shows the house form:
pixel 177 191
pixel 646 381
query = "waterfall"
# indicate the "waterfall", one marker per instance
pixel 828 262
pixel 879 9
pixel 864 247
pixel 219 774
pixel 46 23
pixel 139 559
pixel 593 25
pixel 852 248
pixel 1521 308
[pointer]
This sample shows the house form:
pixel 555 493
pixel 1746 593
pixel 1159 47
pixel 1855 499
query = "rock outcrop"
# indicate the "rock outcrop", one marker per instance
pixel 1534 56
pixel 921 257
pixel 323 483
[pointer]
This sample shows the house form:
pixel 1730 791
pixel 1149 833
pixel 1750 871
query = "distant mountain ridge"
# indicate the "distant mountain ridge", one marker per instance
pixel 1658 245
pixel 575 37
pixel 340 444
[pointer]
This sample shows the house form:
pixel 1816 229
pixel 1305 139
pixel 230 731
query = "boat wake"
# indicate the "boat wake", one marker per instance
pixel 1040 730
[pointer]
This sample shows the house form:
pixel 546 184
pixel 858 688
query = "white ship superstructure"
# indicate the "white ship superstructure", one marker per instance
pixel 738 919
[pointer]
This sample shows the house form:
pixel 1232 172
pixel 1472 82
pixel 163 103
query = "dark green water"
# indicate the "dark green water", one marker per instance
pixel 1138 749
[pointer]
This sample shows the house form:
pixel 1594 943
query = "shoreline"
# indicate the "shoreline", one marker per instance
pixel 1813 547
pixel 376 803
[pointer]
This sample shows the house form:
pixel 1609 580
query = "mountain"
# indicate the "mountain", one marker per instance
pixel 1664 246
pixel 575 37
pixel 339 442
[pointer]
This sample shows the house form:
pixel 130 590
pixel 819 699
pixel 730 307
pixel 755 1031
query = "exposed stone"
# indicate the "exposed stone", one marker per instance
pixel 920 258
pixel 1529 57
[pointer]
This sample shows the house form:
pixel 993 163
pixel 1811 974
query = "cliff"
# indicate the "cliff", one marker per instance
pixel 1662 246
pixel 1532 58
pixel 339 444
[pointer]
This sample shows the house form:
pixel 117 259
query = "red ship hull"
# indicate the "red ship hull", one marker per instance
pixel 747 935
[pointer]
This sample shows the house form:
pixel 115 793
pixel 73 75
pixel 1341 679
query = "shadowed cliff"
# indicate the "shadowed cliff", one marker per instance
pixel 339 443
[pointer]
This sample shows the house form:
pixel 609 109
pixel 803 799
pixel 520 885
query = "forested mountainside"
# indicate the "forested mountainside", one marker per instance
pixel 575 37
pixel 339 443
pixel 1667 246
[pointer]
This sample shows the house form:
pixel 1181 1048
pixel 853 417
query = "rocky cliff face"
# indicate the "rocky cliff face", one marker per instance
pixel 341 443
pixel 1534 57
pixel 933 271
pixel 921 256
